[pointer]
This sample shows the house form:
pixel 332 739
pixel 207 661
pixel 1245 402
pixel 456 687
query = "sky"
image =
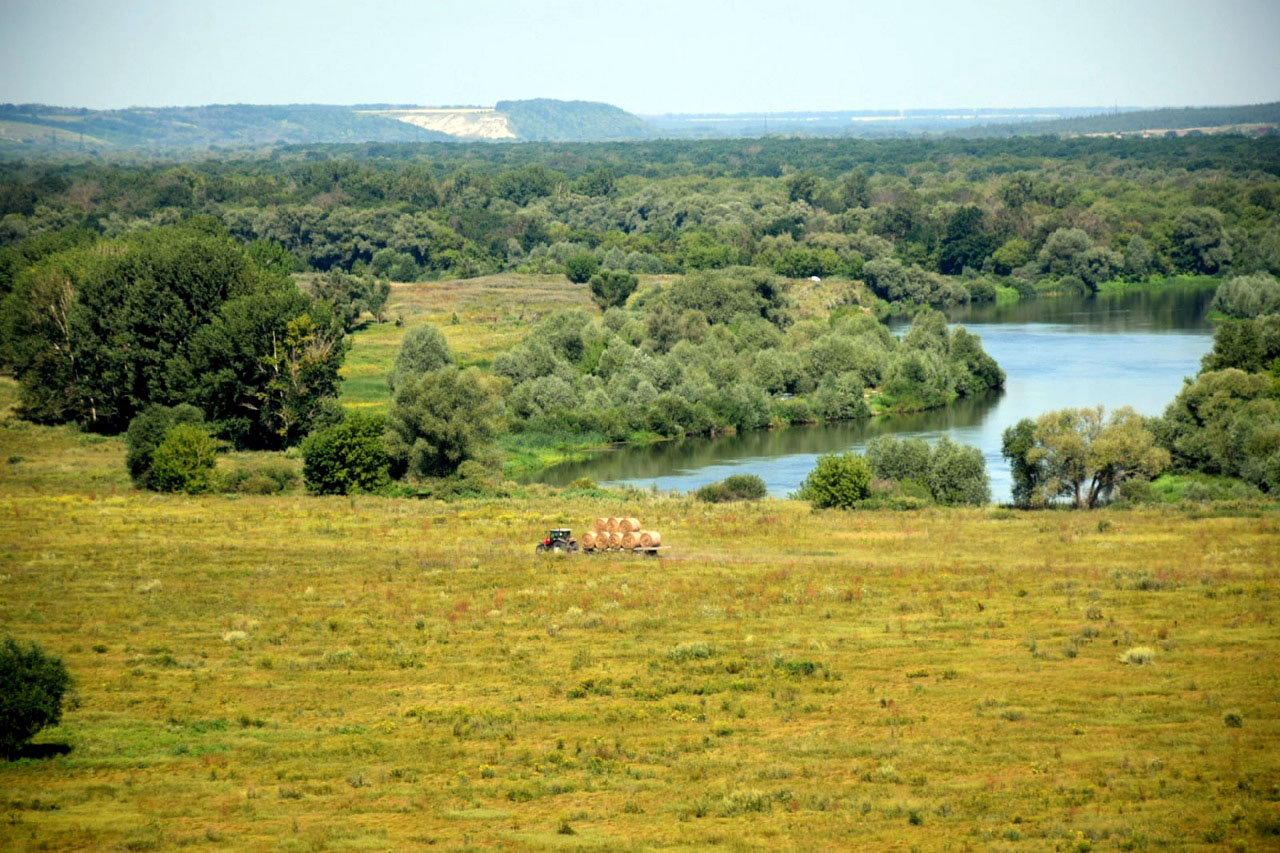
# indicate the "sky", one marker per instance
pixel 646 56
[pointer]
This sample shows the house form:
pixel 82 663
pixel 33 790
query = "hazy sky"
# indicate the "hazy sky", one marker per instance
pixel 647 56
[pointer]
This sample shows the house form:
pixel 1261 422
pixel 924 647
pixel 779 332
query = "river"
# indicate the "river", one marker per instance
pixel 1131 348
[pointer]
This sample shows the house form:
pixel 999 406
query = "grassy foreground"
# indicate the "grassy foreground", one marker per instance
pixel 305 673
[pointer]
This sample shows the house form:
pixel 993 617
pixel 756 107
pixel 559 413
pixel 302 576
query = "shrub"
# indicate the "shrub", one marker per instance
pixel 184 462
pixel 611 288
pixel 1247 296
pixel 267 478
pixel 347 458
pixel 1138 656
pixel 32 684
pixel 958 475
pixel 580 267
pixel 839 480
pixel 424 349
pixel 147 432
pixel 739 487
pixel 892 458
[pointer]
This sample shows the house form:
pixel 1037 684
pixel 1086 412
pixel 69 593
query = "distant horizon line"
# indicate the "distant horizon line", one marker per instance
pixel 869 111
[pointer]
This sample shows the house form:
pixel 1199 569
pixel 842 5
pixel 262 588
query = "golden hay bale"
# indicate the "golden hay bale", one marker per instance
pixel 601 524
pixel 612 524
pixel 631 525
pixel 650 539
pixel 588 541
pixel 615 539
pixel 630 540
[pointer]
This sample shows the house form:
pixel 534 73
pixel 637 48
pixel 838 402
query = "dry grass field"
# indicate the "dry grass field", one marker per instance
pixel 307 673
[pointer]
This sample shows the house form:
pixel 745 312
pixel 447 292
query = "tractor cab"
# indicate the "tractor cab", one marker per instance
pixel 558 539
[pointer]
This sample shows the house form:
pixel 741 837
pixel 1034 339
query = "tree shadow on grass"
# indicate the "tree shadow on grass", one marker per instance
pixel 40 751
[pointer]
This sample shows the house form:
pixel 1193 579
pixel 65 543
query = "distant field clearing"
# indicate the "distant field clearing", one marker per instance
pixel 475 123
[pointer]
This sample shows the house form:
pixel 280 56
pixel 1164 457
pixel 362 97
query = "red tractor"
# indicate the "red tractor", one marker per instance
pixel 560 539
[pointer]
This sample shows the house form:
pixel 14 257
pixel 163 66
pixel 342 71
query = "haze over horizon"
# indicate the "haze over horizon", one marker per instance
pixel 667 57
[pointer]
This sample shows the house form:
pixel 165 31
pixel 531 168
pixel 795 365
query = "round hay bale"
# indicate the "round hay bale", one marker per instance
pixel 612 524
pixel 630 540
pixel 650 539
pixel 601 524
pixel 615 539
pixel 629 525
pixel 588 541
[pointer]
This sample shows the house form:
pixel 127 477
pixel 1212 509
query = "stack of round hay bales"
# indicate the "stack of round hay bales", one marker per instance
pixel 615 532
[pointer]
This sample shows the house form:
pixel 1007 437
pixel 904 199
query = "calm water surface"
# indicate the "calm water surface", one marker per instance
pixel 1115 349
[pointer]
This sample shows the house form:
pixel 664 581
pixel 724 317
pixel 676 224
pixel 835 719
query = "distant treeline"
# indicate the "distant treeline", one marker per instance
pixel 1137 120
pixel 920 221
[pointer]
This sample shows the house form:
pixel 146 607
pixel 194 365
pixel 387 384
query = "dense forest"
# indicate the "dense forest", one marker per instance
pixel 926 221
pixel 167 284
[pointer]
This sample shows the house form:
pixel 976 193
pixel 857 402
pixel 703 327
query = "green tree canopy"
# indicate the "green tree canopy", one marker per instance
pixel 167 316
pixel 440 420
pixel 579 268
pixel 32 685
pixel 839 480
pixel 423 349
pixel 1084 455
pixel 612 287
pixel 348 457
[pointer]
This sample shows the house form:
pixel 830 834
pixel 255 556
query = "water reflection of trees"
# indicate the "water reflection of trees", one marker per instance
pixel 667 457
pixel 1157 308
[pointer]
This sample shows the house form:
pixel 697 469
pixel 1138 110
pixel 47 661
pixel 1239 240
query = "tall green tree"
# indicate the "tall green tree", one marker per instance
pixel 423 349
pixel 440 420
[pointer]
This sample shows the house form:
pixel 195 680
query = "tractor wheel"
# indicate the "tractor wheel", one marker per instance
pixel 557 547
pixel 541 548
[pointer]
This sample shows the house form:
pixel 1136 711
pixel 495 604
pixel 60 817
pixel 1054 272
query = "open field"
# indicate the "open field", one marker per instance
pixel 305 673
pixel 492 314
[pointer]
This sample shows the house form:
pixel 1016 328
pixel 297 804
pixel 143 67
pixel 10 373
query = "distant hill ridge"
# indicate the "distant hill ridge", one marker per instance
pixel 1173 119
pixel 40 129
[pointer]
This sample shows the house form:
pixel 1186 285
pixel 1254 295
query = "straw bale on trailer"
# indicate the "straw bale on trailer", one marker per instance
pixel 630 540
pixel 615 539
pixel 588 541
pixel 602 524
pixel 649 538
pixel 628 525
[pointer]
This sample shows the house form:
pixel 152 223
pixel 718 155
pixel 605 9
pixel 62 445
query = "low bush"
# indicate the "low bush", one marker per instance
pixel 184 461
pixel 347 458
pixel 147 432
pixel 840 480
pixel 739 487
pixel 267 478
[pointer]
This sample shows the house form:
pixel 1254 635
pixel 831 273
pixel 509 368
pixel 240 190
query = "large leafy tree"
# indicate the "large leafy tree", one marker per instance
pixel 264 367
pixel 1081 454
pixel 440 420
pixel 1200 243
pixel 170 316
pixel 967 242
